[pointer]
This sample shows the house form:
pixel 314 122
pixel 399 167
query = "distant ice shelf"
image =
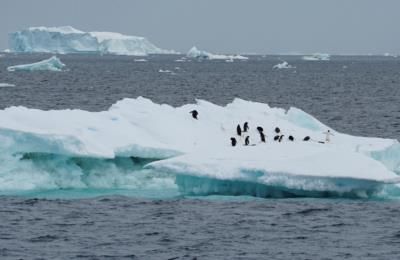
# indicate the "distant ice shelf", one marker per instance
pixel 66 39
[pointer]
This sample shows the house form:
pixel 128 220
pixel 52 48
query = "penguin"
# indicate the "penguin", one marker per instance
pixel 291 138
pixel 280 138
pixel 262 136
pixel 277 130
pixel 233 141
pixel 307 138
pixel 276 138
pixel 194 114
pixel 239 130
pixel 245 127
pixel 260 129
pixel 247 140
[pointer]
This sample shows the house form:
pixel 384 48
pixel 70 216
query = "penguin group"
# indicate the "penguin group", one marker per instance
pixel 277 138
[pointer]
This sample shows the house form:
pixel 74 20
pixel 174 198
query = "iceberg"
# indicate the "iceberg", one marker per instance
pixel 6 85
pixel 283 65
pixel 317 57
pixel 136 137
pixel 66 39
pixel 51 64
pixel 203 55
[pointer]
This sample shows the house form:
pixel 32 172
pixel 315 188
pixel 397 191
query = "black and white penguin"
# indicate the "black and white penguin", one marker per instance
pixel 276 138
pixel 245 127
pixel 277 130
pixel 239 130
pixel 260 129
pixel 307 138
pixel 194 114
pixel 233 141
pixel 291 138
pixel 280 138
pixel 247 140
pixel 262 136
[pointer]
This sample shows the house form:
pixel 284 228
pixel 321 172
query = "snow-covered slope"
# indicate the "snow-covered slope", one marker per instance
pixel 199 54
pixel 67 39
pixel 51 64
pixel 199 153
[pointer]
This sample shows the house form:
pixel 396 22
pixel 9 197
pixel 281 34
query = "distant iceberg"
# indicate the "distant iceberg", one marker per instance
pixel 6 85
pixel 67 39
pixel 387 54
pixel 51 64
pixel 283 65
pixel 317 57
pixel 203 55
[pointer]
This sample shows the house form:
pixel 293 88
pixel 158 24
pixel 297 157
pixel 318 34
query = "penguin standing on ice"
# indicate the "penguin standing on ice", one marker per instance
pixel 247 140
pixel 233 141
pixel 291 138
pixel 262 136
pixel 277 130
pixel 261 132
pixel 239 130
pixel 194 114
pixel 276 137
pixel 281 137
pixel 245 127
pixel 307 138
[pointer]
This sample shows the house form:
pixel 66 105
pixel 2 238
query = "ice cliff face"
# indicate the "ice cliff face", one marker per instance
pixel 67 39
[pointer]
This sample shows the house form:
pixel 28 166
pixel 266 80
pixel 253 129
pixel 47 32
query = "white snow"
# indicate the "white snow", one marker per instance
pixel 66 39
pixel 317 57
pixel 283 65
pixel 6 85
pixel 199 54
pixel 201 148
pixel 51 64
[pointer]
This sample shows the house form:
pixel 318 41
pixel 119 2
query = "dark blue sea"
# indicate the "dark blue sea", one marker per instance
pixel 359 95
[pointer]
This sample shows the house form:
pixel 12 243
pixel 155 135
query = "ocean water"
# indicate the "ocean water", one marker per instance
pixel 140 220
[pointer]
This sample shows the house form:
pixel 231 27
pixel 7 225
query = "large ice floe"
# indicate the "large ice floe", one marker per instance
pixel 317 57
pixel 137 142
pixel 203 55
pixel 66 39
pixel 50 64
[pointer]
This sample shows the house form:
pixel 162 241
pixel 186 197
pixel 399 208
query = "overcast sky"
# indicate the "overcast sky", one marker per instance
pixel 247 26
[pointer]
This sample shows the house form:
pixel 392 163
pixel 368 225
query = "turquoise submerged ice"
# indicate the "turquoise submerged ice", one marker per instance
pixel 51 64
pixel 147 148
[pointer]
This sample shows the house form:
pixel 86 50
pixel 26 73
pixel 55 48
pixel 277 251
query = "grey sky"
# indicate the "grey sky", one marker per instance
pixel 252 26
